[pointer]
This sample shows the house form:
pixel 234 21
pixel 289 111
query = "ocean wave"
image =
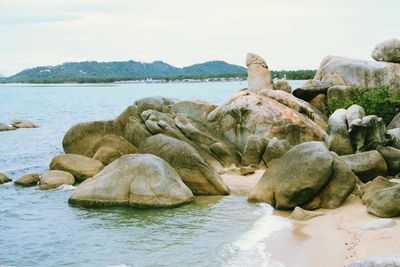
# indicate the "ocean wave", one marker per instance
pixel 249 250
pixel 66 187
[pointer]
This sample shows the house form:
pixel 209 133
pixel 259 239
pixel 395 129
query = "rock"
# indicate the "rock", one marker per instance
pixel 341 184
pixel 342 92
pixel 361 73
pixel 319 102
pixel 107 155
pixel 385 202
pixel 258 75
pixel 381 261
pixel 395 123
pixel 276 148
pixel 53 179
pixel 80 167
pixel 376 224
pixel 255 146
pixel 371 187
pixel 394 135
pixel 117 143
pixel 247 170
pixel 283 85
pixel 388 51
pixel 296 177
pixel 134 180
pixel 135 131
pixel 191 167
pixel 4 179
pixel 248 114
pixel 366 165
pixel 311 89
pixel 197 110
pixel 23 124
pixel 154 103
pixel 337 138
pixel 82 136
pixel 299 214
pixel 5 127
pixel 392 158
pixel 368 133
pixel 28 180
pixel 354 113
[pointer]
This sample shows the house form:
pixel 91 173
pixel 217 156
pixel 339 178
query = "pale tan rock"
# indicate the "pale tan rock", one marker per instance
pixel 53 179
pixel 28 180
pixel 319 102
pixel 388 51
pixel 283 85
pixel 259 76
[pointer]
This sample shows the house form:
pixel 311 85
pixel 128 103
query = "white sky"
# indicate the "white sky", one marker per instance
pixel 289 34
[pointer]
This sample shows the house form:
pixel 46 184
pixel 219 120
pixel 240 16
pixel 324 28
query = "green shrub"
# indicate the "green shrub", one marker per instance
pixel 375 101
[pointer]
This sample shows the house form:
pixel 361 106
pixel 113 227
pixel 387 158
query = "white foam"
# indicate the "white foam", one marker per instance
pixel 66 187
pixel 249 250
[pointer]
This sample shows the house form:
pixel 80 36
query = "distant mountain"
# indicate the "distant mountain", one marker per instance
pixel 125 70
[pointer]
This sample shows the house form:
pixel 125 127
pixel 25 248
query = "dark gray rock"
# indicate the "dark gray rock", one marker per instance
pixel 366 165
pixel 392 158
pixel 338 138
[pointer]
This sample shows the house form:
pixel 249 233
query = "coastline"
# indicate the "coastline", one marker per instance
pixel 335 239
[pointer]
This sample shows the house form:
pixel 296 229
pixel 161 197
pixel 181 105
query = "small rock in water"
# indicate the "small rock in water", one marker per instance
pixel 376 224
pixel 28 180
pixel 300 214
pixel 24 124
pixel 381 261
pixel 5 127
pixel 4 179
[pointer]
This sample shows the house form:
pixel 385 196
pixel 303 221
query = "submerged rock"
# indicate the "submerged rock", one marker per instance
pixel 4 179
pixel 388 51
pixel 5 127
pixel 134 180
pixel 199 176
pixel 258 75
pixel 80 167
pixel 24 124
pixel 31 179
pixel 53 179
pixel 296 177
pixel 366 165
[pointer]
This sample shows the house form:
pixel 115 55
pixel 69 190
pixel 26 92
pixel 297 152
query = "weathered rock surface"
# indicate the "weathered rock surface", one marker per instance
pixel 385 202
pixel 135 131
pixel 276 148
pixel 31 179
pixel 394 135
pixel 368 133
pixel 388 51
pixel 80 167
pixel 4 179
pixel 361 73
pixel 107 155
pixel 353 114
pixel 311 89
pixel 199 176
pixel 283 85
pixel 366 165
pixel 134 180
pixel 296 177
pixel 197 110
pixel 24 124
pixel 338 138
pixel 395 123
pixel 253 151
pixel 118 143
pixel 5 127
pixel 300 214
pixel 371 187
pixel 319 102
pixel 53 179
pixel 392 158
pixel 258 75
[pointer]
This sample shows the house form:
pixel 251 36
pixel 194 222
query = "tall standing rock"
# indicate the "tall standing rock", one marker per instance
pixel 259 76
pixel 338 138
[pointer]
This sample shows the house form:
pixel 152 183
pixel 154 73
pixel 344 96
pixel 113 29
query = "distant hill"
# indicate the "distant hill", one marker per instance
pixel 93 71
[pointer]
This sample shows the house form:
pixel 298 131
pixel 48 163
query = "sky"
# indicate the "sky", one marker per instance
pixel 289 34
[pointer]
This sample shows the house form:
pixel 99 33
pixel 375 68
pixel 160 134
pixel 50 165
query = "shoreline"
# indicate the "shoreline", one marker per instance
pixel 335 239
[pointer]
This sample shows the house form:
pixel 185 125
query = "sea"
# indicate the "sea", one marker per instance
pixel 39 228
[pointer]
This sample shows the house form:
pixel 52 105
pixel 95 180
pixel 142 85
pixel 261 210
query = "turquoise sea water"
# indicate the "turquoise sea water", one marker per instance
pixel 39 228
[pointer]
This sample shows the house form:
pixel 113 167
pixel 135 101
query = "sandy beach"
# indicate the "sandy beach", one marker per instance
pixel 341 236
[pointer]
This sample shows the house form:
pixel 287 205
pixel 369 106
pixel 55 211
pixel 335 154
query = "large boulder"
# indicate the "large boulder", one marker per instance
pixel 361 73
pixel 371 187
pixel 388 51
pixel 4 179
pixel 135 131
pixel 199 176
pixel 394 136
pixel 366 165
pixel 311 89
pixel 197 110
pixel 53 179
pixel 134 180
pixel 248 114
pixel 385 202
pixel 353 114
pixel 395 123
pixel 338 138
pixel 296 177
pixel 283 85
pixel 253 151
pixel 80 167
pixel 5 127
pixel 112 141
pixel 155 103
pixel 276 148
pixel 392 158
pixel 258 75
pixel 30 179
pixel 23 124
pixel 107 155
